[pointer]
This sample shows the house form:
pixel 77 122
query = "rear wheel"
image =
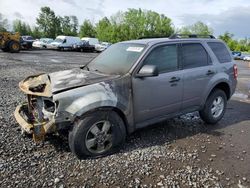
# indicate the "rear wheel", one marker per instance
pixel 215 107
pixel 97 134
pixel 14 47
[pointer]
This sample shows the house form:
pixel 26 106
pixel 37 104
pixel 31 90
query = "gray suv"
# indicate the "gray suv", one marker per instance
pixel 130 85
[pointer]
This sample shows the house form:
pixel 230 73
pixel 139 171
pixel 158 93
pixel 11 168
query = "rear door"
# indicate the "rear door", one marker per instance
pixel 197 72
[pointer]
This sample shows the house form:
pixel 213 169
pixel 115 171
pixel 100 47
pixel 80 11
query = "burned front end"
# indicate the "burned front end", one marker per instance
pixel 55 101
pixel 37 115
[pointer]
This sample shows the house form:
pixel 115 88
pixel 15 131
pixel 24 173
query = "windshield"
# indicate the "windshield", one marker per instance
pixel 59 40
pixel 117 59
pixel 43 40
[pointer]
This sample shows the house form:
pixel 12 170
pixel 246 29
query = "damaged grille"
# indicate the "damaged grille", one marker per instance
pixel 40 108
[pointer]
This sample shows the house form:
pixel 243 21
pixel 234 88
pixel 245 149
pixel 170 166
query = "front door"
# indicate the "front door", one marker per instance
pixel 160 95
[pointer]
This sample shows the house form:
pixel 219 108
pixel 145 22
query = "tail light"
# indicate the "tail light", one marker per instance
pixel 235 71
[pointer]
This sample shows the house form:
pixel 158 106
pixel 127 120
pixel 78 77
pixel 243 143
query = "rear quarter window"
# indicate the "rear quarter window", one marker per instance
pixel 220 51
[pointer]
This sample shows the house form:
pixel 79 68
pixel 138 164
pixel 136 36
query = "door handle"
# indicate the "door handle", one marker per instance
pixel 174 79
pixel 210 72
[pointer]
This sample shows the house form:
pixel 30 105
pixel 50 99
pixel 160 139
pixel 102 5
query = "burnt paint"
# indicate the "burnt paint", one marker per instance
pixel 114 92
pixel 69 79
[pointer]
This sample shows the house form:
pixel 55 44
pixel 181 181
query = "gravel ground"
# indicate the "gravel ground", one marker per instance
pixel 181 152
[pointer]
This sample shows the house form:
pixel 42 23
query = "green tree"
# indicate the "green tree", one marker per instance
pixel 147 24
pixel 104 30
pixel 17 26
pixel 3 23
pixel 36 33
pixel 133 24
pixel 198 28
pixel 236 45
pixel 226 37
pixel 87 29
pixel 47 22
pixel 74 25
pixel 58 25
pixel 22 27
pixel 66 25
pixel 232 44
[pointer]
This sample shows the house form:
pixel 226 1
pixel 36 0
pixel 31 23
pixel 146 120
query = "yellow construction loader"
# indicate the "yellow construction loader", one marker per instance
pixel 10 42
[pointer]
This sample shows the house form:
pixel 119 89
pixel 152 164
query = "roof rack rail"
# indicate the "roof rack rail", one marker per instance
pixel 151 37
pixel 178 36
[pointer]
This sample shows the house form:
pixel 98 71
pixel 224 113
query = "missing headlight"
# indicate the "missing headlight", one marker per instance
pixel 49 106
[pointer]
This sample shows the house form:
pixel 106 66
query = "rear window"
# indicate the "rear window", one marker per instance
pixel 220 51
pixel 194 55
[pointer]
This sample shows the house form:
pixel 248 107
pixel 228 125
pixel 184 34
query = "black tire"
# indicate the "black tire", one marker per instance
pixel 82 129
pixel 14 47
pixel 206 113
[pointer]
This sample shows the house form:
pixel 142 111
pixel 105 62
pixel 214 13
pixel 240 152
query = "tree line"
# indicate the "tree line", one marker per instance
pixel 131 24
pixel 242 45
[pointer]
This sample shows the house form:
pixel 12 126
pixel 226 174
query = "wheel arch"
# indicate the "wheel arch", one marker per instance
pixel 107 108
pixel 222 85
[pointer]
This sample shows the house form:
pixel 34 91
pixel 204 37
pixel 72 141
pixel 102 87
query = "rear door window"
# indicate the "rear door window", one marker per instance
pixel 220 51
pixel 194 55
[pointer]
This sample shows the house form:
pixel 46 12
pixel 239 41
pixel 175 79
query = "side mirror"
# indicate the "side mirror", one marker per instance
pixel 148 71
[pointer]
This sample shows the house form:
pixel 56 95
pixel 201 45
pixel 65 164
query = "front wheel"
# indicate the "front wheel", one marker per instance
pixel 97 134
pixel 215 107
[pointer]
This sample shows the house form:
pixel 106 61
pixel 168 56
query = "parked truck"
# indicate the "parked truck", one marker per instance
pixel 10 42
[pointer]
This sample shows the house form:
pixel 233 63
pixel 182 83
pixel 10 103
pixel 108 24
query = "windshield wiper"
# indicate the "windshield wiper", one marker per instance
pixel 85 66
pixel 88 69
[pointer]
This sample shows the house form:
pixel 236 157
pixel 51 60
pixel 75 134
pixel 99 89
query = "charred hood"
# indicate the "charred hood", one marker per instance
pixel 48 84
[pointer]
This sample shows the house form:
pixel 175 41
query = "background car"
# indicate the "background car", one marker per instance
pixel 83 46
pixel 42 43
pixel 102 46
pixel 92 41
pixel 26 42
pixel 246 58
pixel 236 55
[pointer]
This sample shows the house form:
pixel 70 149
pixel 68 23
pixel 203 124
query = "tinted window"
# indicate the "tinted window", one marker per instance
pixel 164 57
pixel 220 51
pixel 194 55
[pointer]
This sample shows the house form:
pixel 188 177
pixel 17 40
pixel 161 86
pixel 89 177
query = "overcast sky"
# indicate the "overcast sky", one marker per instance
pixel 221 15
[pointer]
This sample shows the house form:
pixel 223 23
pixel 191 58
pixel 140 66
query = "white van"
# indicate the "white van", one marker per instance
pixel 64 42
pixel 92 41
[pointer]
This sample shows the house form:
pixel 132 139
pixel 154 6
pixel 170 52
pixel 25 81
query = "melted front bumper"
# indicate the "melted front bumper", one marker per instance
pixel 37 129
